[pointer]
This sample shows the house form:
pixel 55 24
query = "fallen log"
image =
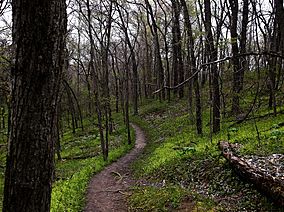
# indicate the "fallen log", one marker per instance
pixel 271 186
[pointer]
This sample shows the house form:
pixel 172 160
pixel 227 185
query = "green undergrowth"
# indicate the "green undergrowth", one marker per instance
pixel 176 157
pixel 157 198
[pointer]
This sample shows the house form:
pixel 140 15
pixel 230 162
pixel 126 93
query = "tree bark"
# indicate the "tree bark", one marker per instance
pixel 126 104
pixel 243 41
pixel 39 29
pixel 198 108
pixel 234 4
pixel 177 66
pixel 213 55
pixel 159 65
pixel 280 20
pixel 277 45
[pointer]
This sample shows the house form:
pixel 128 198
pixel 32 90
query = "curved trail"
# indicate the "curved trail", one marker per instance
pixel 107 190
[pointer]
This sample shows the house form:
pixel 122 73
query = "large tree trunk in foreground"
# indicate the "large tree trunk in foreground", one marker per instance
pixel 279 16
pixel 39 29
pixel 271 186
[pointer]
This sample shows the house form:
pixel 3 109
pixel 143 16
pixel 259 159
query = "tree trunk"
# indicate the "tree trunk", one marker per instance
pixel 234 4
pixel 277 45
pixel 126 105
pixel 243 42
pixel 177 65
pixel 280 20
pixel 212 54
pixel 116 82
pixel 166 51
pixel 134 64
pixel 198 108
pixel 159 65
pixel 39 29
pixel 72 94
pixel 94 75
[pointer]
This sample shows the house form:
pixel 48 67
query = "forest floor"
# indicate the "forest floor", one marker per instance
pixel 186 172
pixel 109 189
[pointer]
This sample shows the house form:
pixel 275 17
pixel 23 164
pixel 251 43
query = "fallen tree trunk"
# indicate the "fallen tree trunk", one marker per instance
pixel 272 187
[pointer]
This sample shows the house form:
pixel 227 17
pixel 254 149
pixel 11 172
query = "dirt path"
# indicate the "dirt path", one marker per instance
pixel 107 190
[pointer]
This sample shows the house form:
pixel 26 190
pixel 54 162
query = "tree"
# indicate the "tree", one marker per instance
pixel 158 58
pixel 279 10
pixel 277 43
pixel 212 55
pixel 39 29
pixel 133 59
pixel 164 32
pixel 239 65
pixel 192 61
pixel 234 4
pixel 177 64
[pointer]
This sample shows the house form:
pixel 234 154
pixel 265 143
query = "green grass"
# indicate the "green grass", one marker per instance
pixel 157 198
pixel 180 158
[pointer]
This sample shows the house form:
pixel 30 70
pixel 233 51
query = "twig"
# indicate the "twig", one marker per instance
pixel 179 85
pixel 124 193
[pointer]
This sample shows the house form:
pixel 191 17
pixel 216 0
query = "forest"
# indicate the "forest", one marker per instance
pixel 141 105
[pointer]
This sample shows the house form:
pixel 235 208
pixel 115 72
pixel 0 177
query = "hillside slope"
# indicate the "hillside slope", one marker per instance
pixel 185 172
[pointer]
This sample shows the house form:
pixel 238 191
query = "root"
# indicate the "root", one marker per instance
pixel 119 176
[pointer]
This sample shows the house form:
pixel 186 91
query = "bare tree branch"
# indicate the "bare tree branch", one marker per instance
pixel 269 53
